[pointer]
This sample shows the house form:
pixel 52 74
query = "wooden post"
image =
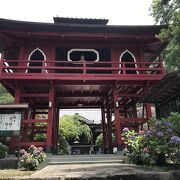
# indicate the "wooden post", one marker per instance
pixel 104 129
pixel 51 107
pixel 24 129
pixel 13 141
pixel 109 131
pixel 84 67
pixel 114 60
pixel 17 96
pixel 33 124
pixel 21 58
pixel 161 65
pixel 117 121
pixel 56 129
pixel 148 112
pixel 1 63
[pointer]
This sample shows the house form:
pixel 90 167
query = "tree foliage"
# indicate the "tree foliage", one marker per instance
pixel 99 140
pixel 5 97
pixel 167 12
pixel 72 127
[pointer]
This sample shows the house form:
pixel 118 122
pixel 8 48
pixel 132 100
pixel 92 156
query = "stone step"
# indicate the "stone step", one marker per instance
pixel 85 162
pixel 83 159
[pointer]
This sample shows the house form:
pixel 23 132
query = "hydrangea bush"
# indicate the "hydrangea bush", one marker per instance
pixel 3 150
pixel 32 157
pixel 157 145
pixel 135 149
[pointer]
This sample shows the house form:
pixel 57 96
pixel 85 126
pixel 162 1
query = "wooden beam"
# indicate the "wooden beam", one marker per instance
pixel 34 95
pixel 35 121
pixel 129 95
pixel 79 95
pixel 38 144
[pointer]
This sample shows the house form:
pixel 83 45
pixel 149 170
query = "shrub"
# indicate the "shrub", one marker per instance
pixel 99 140
pixel 135 149
pixel 32 157
pixel 3 150
pixel 157 145
pixel 163 140
pixel 63 145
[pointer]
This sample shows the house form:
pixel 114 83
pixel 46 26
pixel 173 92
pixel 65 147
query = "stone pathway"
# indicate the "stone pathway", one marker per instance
pixel 91 171
pixel 114 171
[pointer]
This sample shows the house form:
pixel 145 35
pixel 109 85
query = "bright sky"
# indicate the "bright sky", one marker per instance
pixel 119 12
pixel 122 12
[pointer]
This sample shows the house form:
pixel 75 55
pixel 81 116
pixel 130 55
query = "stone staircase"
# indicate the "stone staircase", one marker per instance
pixel 82 159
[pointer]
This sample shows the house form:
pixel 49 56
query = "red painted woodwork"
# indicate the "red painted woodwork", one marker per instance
pixel 104 129
pixel 94 84
pixel 117 119
pixel 51 101
pixel 109 129
pixel 27 144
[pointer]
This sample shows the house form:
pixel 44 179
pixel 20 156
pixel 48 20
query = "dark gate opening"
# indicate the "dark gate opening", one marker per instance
pixel 36 55
pixel 127 57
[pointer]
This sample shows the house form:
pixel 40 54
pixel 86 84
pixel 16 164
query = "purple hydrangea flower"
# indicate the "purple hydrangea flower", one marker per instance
pixel 148 133
pixel 160 134
pixel 169 130
pixel 125 129
pixel 168 124
pixel 132 137
pixel 178 154
pixel 40 148
pixel 175 140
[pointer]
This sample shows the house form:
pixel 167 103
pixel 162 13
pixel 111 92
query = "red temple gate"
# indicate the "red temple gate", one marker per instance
pixel 75 63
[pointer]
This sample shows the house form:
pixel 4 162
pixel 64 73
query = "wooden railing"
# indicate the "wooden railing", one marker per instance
pixel 38 67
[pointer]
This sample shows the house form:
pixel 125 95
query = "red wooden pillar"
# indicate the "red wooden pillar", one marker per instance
pixel 104 129
pixel 114 60
pixel 109 131
pixel 33 124
pixel 24 129
pixel 117 120
pixel 1 62
pixel 134 109
pixel 148 112
pixel 125 115
pixel 56 130
pixel 13 141
pixel 51 107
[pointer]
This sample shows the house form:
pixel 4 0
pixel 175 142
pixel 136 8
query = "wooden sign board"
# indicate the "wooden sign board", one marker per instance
pixel 10 124
pixel 10 119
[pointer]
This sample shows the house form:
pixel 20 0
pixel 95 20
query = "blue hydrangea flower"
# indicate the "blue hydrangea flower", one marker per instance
pixel 160 134
pixel 178 154
pixel 148 133
pixel 175 140
pixel 132 137
pixel 169 130
pixel 168 124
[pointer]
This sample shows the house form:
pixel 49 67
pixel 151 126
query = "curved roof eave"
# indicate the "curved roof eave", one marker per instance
pixel 6 24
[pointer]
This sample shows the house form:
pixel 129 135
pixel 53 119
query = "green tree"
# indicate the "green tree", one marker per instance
pixel 167 12
pixel 99 140
pixel 72 127
pixel 5 97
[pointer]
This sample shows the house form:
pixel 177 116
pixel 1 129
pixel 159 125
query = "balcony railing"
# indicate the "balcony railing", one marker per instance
pixel 59 68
